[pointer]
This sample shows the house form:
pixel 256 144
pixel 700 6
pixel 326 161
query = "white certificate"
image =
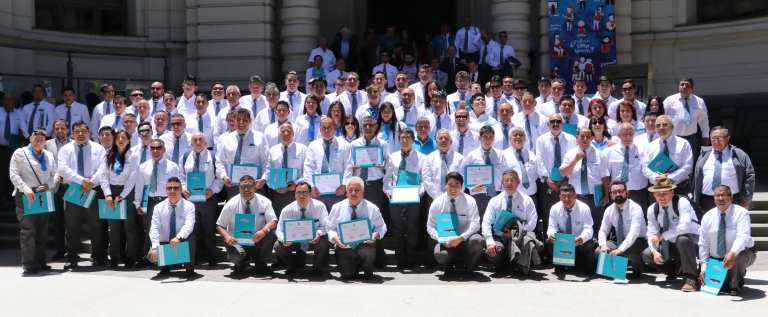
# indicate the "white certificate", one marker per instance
pixel 368 156
pixel 404 194
pixel 327 183
pixel 355 231
pixel 239 170
pixel 299 230
pixel 478 175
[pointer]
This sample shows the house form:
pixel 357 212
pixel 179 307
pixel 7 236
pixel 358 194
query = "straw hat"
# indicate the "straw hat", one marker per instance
pixel 662 183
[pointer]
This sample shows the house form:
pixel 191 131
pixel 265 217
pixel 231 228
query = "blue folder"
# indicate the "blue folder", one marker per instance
pixel 318 72
pixel 74 195
pixel 408 178
pixel 662 164
pixel 245 226
pixel 196 186
pixel 554 175
pixel 571 129
pixel 612 266
pixel 170 256
pixel 145 200
pixel 598 192
pixel 564 252
pixel 501 221
pixel 43 203
pixel 280 177
pixel 714 277
pixel 117 213
pixel 447 227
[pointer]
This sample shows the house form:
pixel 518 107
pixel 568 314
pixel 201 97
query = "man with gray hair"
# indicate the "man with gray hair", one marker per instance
pixel 255 101
pixel 723 159
pixel 462 93
pixel 329 60
pixel 522 160
pixel 346 48
pixel 423 143
pixel 675 148
pixel 624 162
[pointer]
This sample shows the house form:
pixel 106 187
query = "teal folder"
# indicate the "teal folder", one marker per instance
pixel 714 277
pixel 117 213
pixel 612 266
pixel 447 227
pixel 245 226
pixel 599 194
pixel 145 200
pixel 75 195
pixel 43 203
pixel 501 221
pixel 196 186
pixel 170 256
pixel 571 129
pixel 554 175
pixel 318 72
pixel 564 252
pixel 662 164
pixel 280 177
pixel 407 178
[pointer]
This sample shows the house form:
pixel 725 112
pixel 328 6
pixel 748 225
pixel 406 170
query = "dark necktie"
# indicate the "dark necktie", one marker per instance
pixel 664 242
pixel 143 154
pixel 453 206
pixel 557 106
pixel 285 156
pixel 364 170
pixel 620 228
pixel 401 168
pixel 32 119
pixel 584 176
pixel 443 169
pixel 247 207
pixel 303 213
pixel 509 203
pixel 558 156
pixel 625 166
pixel 485 53
pixel 567 120
pixel 81 160
pixel 528 132
pixel 354 213
pixel 200 123
pixel 290 100
pixel 568 225
pixel 716 177
pixel 581 108
pixel 7 133
pixel 153 180
pixel 461 143
pixel 523 170
pixel 107 109
pixel 218 107
pixel 666 148
pixel 196 168
pixel 239 151
pixel 505 130
pixel 354 102
pixel 172 224
pixel 175 157
pixel 326 156
pixel 117 122
pixel 438 123
pixel 687 118
pixel 721 235
pixel 271 115
pixel 154 107
pixel 69 115
pixel 466 41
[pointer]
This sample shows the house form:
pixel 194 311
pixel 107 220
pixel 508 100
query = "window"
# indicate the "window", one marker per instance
pixel 106 17
pixel 727 10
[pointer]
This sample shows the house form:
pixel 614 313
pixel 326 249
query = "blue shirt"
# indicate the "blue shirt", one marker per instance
pixel 425 148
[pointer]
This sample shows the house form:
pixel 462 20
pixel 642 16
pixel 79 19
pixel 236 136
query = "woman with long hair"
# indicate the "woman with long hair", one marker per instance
pixel 601 138
pixel 431 86
pixel 372 107
pixel 656 104
pixel 597 107
pixel 388 127
pixel 337 112
pixel 308 123
pixel 626 113
pixel 351 129
pixel 118 177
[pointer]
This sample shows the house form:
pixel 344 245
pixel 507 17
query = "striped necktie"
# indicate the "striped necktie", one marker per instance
pixel 172 224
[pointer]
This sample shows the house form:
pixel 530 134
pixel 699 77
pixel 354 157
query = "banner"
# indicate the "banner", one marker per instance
pixel 582 39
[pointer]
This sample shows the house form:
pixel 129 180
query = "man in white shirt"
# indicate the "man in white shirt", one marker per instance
pixel 389 70
pixel 503 126
pixel 410 109
pixel 512 91
pixel 689 113
pixel 160 124
pixel 567 108
pixel 571 216
pixel 465 242
pixel 78 163
pixel 626 218
pixel 255 101
pixel 465 37
pixel 474 72
pixel 604 90
pixel 462 94
pixel 37 114
pixel 723 164
pixel 582 102
pixel 504 51
pixel 531 121
pixel 331 77
pixel 628 91
pixel 588 172
pixel 292 95
pixel 115 119
pixel 259 247
pixel 624 161
pixel 439 118
pixel 202 120
pixel 545 89
pixel 328 58
pixel 286 154
pixel 380 79
pixel 496 98
pixel 353 98
pixel 425 75
pixel 517 158
pixel 675 148
pixel 186 103
pixel 725 236
pixel 233 104
pixel 245 146
pixel 557 88
pixel 312 210
pixel 401 83
pixel 485 155
pixel 643 139
pixel 173 222
pixel 219 102
pixel 102 109
pixel 144 112
pixel 328 155
pixel 156 91
pixel 550 150
pixel 500 245
pixel 129 125
pixel 71 110
pixel 178 141
pixel 354 256
pixel 464 139
pixel 672 234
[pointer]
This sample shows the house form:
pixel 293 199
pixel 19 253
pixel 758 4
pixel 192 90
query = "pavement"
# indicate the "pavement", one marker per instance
pixel 91 291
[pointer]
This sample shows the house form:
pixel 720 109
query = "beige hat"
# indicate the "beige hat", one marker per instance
pixel 662 183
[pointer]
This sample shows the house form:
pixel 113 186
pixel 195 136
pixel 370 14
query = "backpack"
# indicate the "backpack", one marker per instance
pixel 186 155
pixel 675 201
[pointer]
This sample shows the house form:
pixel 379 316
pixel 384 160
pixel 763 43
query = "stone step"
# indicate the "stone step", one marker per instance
pixel 762 243
pixel 758 216
pixel 759 230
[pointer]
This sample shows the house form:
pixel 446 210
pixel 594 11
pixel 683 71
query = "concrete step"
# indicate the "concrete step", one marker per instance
pixel 762 243
pixel 759 230
pixel 758 216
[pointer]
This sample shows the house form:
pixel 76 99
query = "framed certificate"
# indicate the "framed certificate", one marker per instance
pixel 714 277
pixel 236 171
pixel 612 266
pixel 76 196
pixel 245 226
pixel 298 230
pixel 447 227
pixel 368 156
pixel 117 213
pixel 478 175
pixel 404 194
pixel 327 183
pixel 196 186
pixel 43 203
pixel 170 256
pixel 355 231
pixel 145 200
pixel 280 177
pixel 564 252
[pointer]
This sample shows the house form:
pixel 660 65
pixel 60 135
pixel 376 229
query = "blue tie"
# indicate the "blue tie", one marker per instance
pixel 620 228
pixel 584 177
pixel 239 151
pixel 581 108
pixel 304 245
pixel 69 115
pixel 721 236
pixel 438 123
pixel 172 224
pixel 290 99
pixel 509 203
pixel 490 190
pixel 108 111
pixel 558 156
pixel 271 115
pixel 443 169
pixel 285 156
pixel 7 133
pixel 665 243
pixel 153 180
pixel 354 102
pixel 386 83
pixel 200 123
pixel 154 107
pixel 175 157
pixel 402 162
pixel 568 226
pixel 311 128
pixel 666 148
pixel 247 207
pixel 81 161
pixel 326 157
pixel 466 41
pixel 461 143
pixel 218 108
pixel 196 168
pixel 143 154
pixel 687 118
pixel 117 121
pixel 625 166
pixel 453 206
pixel 528 131
pixel 364 170
pixel 354 213
pixel 501 55
pixel 32 119
pixel 523 170
pixel 505 131
pixel 557 106
pixel 495 112
pixel 716 177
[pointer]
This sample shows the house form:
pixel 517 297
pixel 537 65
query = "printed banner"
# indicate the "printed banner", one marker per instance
pixel 582 39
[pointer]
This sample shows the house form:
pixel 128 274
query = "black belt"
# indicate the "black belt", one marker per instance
pixel 157 198
pixel 374 182
pixel 587 196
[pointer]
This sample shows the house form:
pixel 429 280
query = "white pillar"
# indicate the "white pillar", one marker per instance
pixel 511 16
pixel 299 33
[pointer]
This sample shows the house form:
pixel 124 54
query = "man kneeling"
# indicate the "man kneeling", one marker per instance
pixel 173 222
pixel 303 208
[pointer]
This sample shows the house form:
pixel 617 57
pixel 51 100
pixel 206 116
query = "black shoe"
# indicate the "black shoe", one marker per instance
pixel 368 276
pixel 165 270
pixel 278 264
pixel 142 264
pixel 317 273
pixel 735 292
pixel 100 263
pixel 213 263
pixel 290 271
pixel 70 265
pixel 559 268
pixel 59 255
pixel 673 276
pixel 178 266
pixel 430 265
pixel 262 268
pixel 448 269
pixel 30 271
pixel 43 267
pixel 237 269
pixel 189 274
pixel 409 266
pixel 379 264
pixel 113 264
pixel 129 264
pixel 400 265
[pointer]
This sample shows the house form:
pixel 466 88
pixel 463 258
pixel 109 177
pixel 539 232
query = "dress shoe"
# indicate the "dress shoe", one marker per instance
pixel 100 263
pixel 213 263
pixel 43 267
pixel 59 255
pixel 368 276
pixel 178 266
pixel 691 285
pixel 237 269
pixel 379 264
pixel 429 264
pixel 448 269
pixel 317 272
pixel 165 270
pixel 400 265
pixel 290 271
pixel 673 276
pixel 559 268
pixel 262 268
pixel 735 292
pixel 113 264
pixel 129 264
pixel 409 266
pixel 188 274
pixel 278 264
pixel 70 265
pixel 30 271
pixel 142 264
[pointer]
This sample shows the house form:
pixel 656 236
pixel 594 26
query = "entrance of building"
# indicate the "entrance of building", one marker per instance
pixel 418 17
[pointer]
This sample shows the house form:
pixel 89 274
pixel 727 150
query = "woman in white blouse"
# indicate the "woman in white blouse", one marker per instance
pixel 389 127
pixel 601 138
pixel 118 177
pixel 33 171
pixel 308 123
pixel 626 112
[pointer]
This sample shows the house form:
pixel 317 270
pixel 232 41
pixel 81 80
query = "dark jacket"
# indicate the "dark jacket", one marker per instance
pixel 353 60
pixel 745 174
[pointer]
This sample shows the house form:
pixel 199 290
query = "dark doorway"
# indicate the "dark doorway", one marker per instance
pixel 419 17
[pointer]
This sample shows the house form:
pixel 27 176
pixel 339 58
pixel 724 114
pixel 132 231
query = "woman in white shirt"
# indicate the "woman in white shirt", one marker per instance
pixel 338 113
pixel 626 112
pixel 351 129
pixel 432 86
pixel 597 107
pixel 601 138
pixel 33 170
pixel 389 127
pixel 118 177
pixel 308 124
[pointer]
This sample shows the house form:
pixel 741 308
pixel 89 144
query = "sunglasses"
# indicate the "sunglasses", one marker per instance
pixel 137 95
pixel 555 121
pixel 520 88
pixel 349 123
pixel 176 124
pixel 218 88
pixel 246 187
pixel 156 148
pixel 172 188
pixel 144 131
pixel 462 117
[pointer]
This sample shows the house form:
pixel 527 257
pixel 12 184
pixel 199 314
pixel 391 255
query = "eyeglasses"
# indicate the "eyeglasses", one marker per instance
pixel 614 192
pixel 175 124
pixel 405 139
pixel 518 135
pixel 555 121
pixel 156 148
pixel 349 123
pixel 717 138
pixel 662 125
pixel 462 117
pixel 137 95
pixel 722 196
pixel 217 88
pixel 156 88
pixel 597 123
pixel 144 131
pixel 172 188
pixel 302 193
pixel 520 88
pixel 246 187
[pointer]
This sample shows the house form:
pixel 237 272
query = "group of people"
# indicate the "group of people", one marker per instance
pixel 549 155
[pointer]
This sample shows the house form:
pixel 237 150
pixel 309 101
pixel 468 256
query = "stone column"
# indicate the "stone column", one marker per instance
pixel 511 16
pixel 299 34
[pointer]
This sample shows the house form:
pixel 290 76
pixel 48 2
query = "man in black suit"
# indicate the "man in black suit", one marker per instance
pixel 346 48
pixel 452 65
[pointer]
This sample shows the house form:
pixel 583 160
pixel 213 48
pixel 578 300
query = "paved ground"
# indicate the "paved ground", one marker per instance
pixel 216 292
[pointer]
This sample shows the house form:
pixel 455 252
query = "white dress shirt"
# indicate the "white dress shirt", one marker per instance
pixel 597 168
pixel 414 163
pixel 584 104
pixel 634 224
pixel 613 112
pixel 446 122
pixel 315 210
pixel 674 106
pixel 609 101
pixel 366 110
pixel 388 69
pixel 455 97
pixel 77 112
pixel 330 78
pixel 221 118
pixel 26 172
pixel 478 122
pixel 93 154
pixel 541 100
pixel 581 220
pixel 98 114
pixel 207 164
pixel 209 124
pixel 577 119
pixel 643 139
pixel 342 212
pixel 260 206
pixel 264 119
pixel 477 157
pixel 127 177
pixel 346 99
pixel 184 145
pixel 471 141
pixel 301 126
pixel 679 152
pixel 255 151
pixel 109 120
pixel 296 103
pixel 156 105
pixel 473 33
pixel 432 177
pixel 538 127
pixel 340 160
pixel 165 170
pixel 185 106
pixel 491 57
pixel 222 104
pixel 522 207
pixel 738 234
pixel 545 151
pixel 548 108
pixel 509 161
pixel 272 133
pixel 160 228
pixel 466 210
pixel 16 121
pixel 44 109
pixel 679 224
pixel 296 154
pixel 374 173
pixel 329 60
pixel 614 155
pixel 414 112
pixel 517 106
pixel 728 176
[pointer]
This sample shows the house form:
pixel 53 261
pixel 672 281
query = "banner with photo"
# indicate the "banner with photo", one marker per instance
pixel 582 39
